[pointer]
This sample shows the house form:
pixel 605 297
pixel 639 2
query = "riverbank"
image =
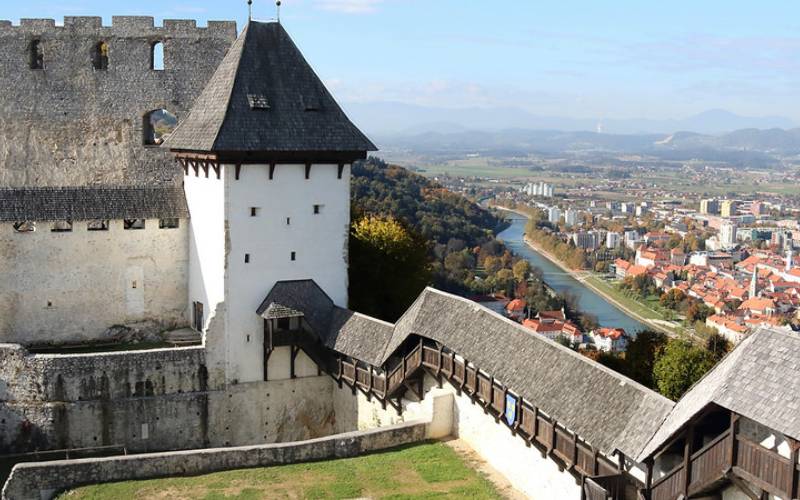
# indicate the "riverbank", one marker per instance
pixel 632 308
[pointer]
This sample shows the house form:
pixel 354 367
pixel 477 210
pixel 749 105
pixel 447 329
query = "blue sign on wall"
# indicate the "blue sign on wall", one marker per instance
pixel 511 409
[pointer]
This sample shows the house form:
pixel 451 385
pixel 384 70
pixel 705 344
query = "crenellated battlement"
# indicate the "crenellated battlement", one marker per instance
pixel 121 26
pixel 85 88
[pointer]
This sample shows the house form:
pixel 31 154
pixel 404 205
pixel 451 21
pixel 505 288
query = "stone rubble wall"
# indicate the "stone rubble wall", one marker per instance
pixel 35 481
pixel 151 400
pixel 69 124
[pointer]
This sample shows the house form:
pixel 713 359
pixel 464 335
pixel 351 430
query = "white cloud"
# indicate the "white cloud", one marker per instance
pixel 349 6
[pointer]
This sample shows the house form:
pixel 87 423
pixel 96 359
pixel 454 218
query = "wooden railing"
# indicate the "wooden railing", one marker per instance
pixel 730 452
pixel 765 468
pixel 530 423
pixel 670 486
pixel 710 462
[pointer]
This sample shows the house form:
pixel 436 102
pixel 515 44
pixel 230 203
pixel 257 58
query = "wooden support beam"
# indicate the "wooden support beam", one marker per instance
pixel 294 351
pixel 238 170
pixel 340 171
pixel 687 460
pixel 794 446
pixel 308 171
pixel 733 432
pixel 574 457
pixel 271 171
pixel 204 165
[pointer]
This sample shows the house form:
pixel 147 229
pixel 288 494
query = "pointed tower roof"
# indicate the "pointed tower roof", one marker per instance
pixel 264 100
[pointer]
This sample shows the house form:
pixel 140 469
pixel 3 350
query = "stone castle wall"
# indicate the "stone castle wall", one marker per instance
pixel 70 124
pixel 152 400
pixel 61 288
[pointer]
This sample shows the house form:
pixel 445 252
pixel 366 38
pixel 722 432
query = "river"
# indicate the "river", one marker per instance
pixel 588 301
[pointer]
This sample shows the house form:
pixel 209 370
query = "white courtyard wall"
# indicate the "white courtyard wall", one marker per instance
pixel 524 467
pixel 71 287
pixel 318 240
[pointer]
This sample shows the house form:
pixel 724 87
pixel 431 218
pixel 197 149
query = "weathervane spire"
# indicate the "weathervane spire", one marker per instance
pixel 249 10
pixel 278 9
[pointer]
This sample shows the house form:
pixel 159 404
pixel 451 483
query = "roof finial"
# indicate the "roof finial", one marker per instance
pixel 278 9
pixel 249 10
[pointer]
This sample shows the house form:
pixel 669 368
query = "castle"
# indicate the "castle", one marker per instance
pixel 232 230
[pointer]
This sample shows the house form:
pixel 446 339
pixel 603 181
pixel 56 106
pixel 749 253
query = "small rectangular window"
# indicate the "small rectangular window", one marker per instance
pixel 25 227
pixel 317 209
pixel 171 223
pixel 254 211
pixel 288 221
pixel 134 284
pixel 258 101
pixel 294 256
pixel 61 226
pixel 247 258
pixel 133 224
pixel 97 225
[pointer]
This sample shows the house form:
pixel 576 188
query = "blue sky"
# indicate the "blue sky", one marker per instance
pixel 581 59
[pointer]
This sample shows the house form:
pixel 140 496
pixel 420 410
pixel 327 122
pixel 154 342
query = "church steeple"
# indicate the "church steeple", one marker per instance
pixel 754 283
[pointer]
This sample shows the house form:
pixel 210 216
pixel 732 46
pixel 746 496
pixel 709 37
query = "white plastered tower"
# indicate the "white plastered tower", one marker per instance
pixel 266 153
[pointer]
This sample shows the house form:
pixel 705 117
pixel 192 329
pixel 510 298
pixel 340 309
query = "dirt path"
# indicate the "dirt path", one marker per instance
pixel 475 461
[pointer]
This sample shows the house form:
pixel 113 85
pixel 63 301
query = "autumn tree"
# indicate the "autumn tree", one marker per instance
pixel 521 270
pixel 389 266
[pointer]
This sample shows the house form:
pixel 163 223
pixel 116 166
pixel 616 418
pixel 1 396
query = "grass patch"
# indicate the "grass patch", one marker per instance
pixel 429 470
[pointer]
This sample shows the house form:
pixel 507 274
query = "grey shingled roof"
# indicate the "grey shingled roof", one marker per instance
pixel 264 63
pixel 609 410
pixel 344 331
pixel 759 379
pixel 91 203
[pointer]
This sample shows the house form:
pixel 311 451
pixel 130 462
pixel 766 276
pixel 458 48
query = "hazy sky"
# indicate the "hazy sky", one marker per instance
pixel 592 58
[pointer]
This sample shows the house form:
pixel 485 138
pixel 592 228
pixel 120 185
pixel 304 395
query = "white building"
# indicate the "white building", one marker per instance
pixel 727 234
pixel 571 217
pixel 554 215
pixel 632 239
pixel 613 240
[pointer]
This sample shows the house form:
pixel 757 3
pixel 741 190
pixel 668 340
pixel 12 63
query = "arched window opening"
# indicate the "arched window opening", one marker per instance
pixel 100 58
pixel 157 56
pixel 37 55
pixel 158 124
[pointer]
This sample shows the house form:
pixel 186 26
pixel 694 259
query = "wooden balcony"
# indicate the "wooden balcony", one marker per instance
pixel 730 455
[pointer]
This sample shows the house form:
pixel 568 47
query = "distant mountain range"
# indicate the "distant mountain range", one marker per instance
pixel 393 119
pixel 747 147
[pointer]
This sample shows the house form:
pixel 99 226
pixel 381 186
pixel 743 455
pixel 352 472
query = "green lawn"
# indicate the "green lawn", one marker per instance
pixel 648 309
pixel 430 470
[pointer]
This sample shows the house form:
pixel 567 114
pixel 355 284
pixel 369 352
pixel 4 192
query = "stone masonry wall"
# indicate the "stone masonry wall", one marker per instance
pixel 37 481
pixel 70 124
pixel 151 400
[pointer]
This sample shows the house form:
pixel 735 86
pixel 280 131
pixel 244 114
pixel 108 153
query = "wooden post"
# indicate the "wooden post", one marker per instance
pixel 271 171
pixel 648 481
pixel 574 449
pixel 238 170
pixel 687 463
pixel 794 446
pixel 595 460
pixel 535 423
pixel 734 430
